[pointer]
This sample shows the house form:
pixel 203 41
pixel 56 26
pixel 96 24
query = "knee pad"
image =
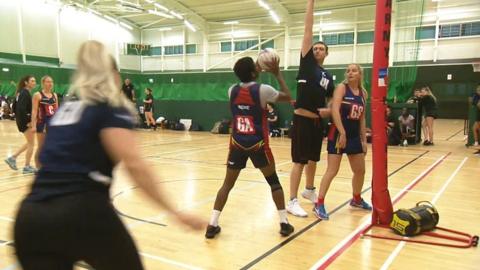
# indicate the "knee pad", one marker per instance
pixel 272 180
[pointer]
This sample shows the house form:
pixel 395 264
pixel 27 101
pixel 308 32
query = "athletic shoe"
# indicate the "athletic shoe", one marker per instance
pixel 310 195
pixel 286 229
pixel 320 211
pixel 425 142
pixel 212 231
pixel 405 143
pixel 29 169
pixel 12 163
pixel 362 204
pixel 475 144
pixel 294 208
pixel 429 143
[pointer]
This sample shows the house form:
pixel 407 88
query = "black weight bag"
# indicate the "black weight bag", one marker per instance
pixel 410 222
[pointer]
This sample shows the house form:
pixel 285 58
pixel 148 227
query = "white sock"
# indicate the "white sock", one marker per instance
pixel 214 218
pixel 283 216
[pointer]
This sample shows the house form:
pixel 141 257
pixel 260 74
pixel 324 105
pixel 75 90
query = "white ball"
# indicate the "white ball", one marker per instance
pixel 266 57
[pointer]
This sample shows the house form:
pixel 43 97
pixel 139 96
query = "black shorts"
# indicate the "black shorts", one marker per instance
pixel 147 109
pixel 237 157
pixel 22 126
pixel 431 114
pixel 307 137
pixel 56 233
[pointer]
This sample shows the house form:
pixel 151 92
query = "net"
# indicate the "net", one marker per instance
pixel 410 29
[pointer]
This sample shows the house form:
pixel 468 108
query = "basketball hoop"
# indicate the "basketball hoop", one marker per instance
pixel 476 67
pixel 139 48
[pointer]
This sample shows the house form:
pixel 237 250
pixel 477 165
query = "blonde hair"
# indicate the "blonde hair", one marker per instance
pixel 42 81
pixel 360 70
pixel 429 92
pixel 96 79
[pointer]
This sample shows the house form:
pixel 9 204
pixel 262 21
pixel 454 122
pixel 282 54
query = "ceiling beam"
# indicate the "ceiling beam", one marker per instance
pixel 189 14
pixel 133 15
pixel 282 10
pixel 152 23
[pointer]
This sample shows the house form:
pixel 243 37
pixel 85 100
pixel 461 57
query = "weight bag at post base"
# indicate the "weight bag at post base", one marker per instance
pixel 410 222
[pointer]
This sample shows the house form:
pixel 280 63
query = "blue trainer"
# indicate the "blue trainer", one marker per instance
pixel 320 211
pixel 362 204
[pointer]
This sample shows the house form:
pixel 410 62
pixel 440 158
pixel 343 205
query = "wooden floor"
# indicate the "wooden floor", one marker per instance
pixel 192 167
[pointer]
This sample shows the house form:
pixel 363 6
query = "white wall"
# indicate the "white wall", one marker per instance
pixel 39 28
pixel 459 48
pixel 9 36
pixel 40 37
pixel 72 34
pixel 407 15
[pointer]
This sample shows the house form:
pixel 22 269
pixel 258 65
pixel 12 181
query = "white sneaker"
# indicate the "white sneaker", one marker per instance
pixel 310 195
pixel 294 208
pixel 405 143
pixel 475 144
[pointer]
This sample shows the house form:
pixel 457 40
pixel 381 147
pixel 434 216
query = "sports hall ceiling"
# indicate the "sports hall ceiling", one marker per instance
pixel 144 14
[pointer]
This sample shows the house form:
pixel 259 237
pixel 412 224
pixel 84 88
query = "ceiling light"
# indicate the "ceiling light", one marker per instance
pixel 231 22
pixel 324 12
pixel 263 4
pixel 160 7
pixel 95 12
pixel 110 18
pixel 164 29
pixel 126 25
pixel 159 13
pixel 180 17
pixel 274 16
pixel 190 26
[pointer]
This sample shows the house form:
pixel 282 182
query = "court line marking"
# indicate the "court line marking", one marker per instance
pixel 400 246
pixel 455 134
pixel 168 261
pixel 4 243
pixel 306 228
pixel 343 245
pixel 183 151
pixel 204 149
pixel 7 219
pixel 168 142
pixel 152 219
pixel 13 188
pixel 16 176
pixel 12 266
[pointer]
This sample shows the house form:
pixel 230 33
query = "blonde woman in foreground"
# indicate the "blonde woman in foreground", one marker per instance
pixel 67 216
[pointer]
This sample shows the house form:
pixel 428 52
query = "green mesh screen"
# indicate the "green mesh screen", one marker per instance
pixel 408 18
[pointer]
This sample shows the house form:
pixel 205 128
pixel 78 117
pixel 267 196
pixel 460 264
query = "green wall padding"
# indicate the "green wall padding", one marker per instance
pixel 181 95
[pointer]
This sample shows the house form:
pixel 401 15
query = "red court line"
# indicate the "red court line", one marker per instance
pixel 364 226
